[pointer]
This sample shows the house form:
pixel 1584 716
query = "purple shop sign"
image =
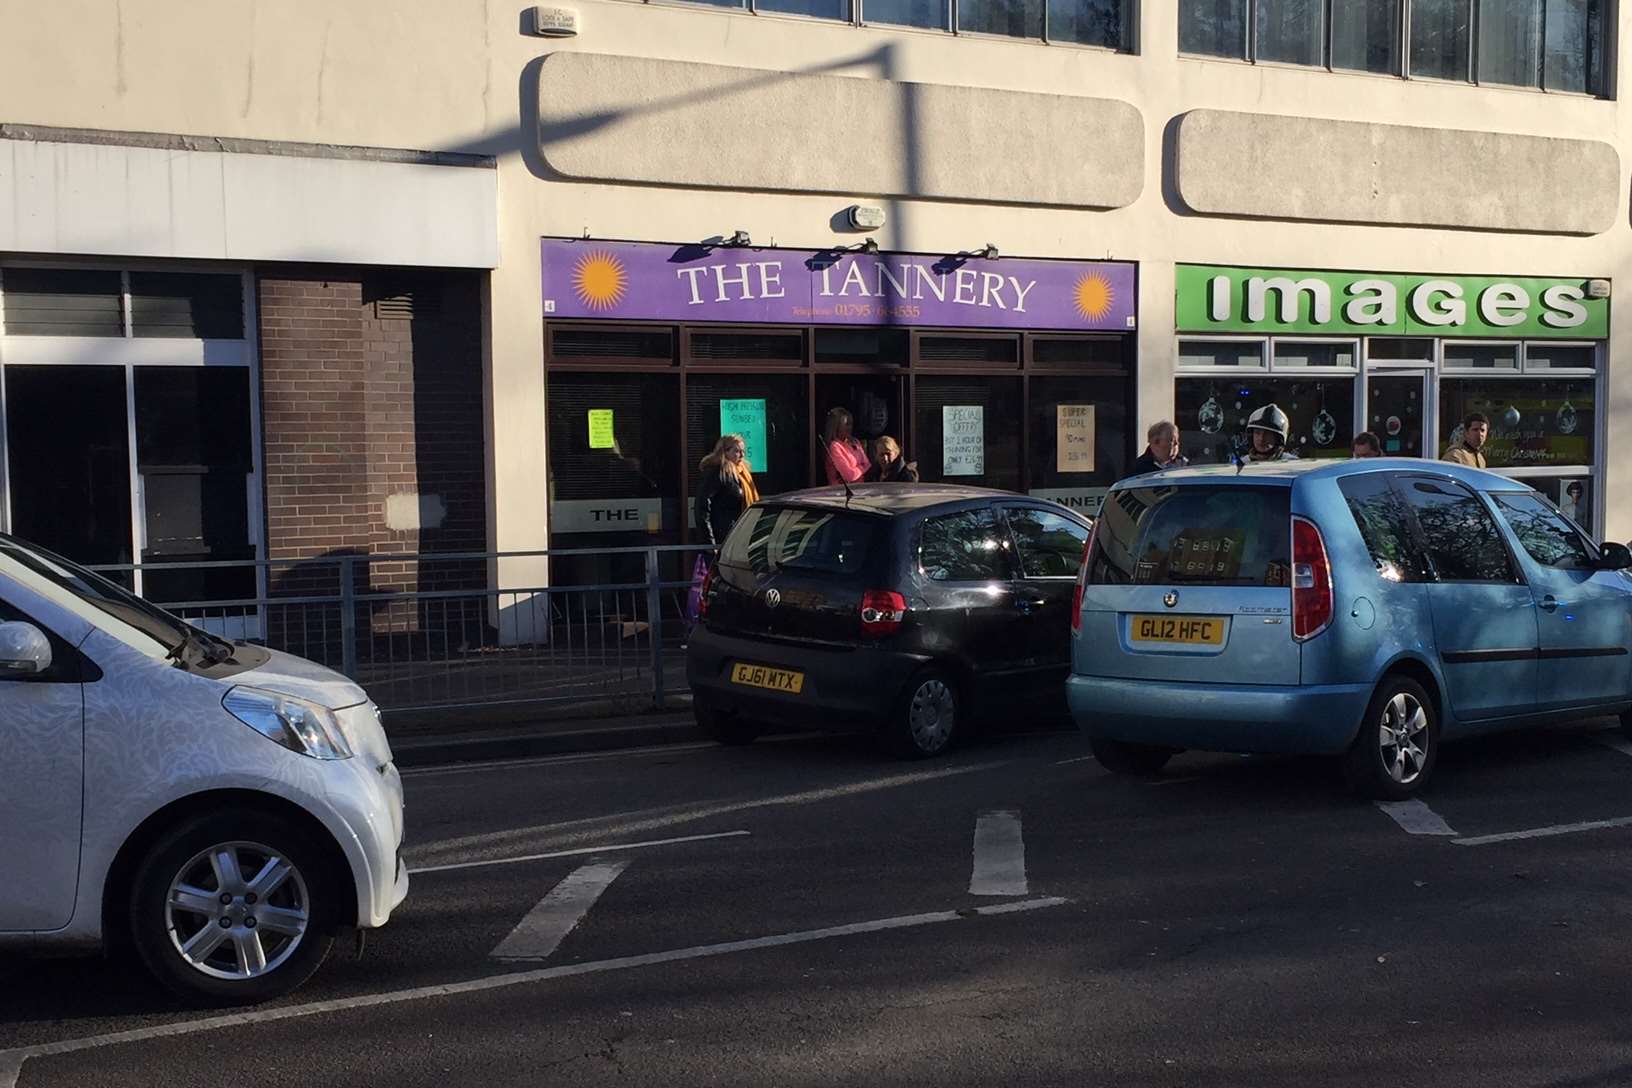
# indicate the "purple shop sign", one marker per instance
pixel 636 281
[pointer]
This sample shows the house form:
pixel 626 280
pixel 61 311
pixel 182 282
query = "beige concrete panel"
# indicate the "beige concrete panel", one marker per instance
pixel 1279 167
pixel 144 201
pixel 632 119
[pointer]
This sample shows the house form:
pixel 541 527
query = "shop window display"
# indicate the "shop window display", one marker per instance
pixel 1534 423
pixel 1212 414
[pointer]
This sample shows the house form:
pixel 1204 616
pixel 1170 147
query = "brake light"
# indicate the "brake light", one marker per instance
pixel 1312 602
pixel 882 611
pixel 1082 578
pixel 705 594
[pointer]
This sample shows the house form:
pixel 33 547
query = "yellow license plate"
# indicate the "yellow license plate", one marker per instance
pixel 1186 630
pixel 758 676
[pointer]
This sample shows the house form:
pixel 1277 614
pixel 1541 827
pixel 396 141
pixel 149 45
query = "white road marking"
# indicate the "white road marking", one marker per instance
pixel 1416 817
pixel 11 1061
pixel 575 852
pixel 1544 832
pixel 1078 759
pixel 653 819
pixel 1175 781
pixel 476 766
pixel 1619 743
pixel 1000 855
pixel 558 913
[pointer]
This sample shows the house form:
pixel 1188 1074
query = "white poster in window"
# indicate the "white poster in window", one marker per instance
pixel 963 440
pixel 1074 438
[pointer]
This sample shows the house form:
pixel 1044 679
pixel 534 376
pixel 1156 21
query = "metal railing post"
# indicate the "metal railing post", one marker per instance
pixel 654 618
pixel 348 616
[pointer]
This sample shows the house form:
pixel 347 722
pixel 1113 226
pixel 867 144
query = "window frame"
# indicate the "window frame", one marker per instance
pixel 1007 546
pixel 1132 13
pixel 1019 559
pixel 1604 76
pixel 1454 370
pixel 1515 568
pixel 1593 551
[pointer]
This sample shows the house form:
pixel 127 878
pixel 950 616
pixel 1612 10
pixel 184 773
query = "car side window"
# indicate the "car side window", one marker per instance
pixel 968 546
pixel 1050 546
pixel 1461 537
pixel 1384 522
pixel 1542 531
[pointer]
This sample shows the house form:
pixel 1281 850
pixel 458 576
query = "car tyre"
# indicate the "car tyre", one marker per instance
pixel 717 725
pixel 926 717
pixel 1394 753
pixel 282 910
pixel 1121 757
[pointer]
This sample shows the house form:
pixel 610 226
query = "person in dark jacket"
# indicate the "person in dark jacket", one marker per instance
pixel 1161 449
pixel 888 467
pixel 725 488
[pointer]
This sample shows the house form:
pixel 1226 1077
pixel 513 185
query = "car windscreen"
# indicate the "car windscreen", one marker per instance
pixel 126 616
pixel 771 538
pixel 1195 535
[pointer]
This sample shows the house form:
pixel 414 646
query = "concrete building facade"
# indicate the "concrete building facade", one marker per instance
pixel 439 220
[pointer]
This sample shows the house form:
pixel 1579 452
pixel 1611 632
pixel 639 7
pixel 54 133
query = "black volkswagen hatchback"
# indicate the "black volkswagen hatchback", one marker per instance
pixel 905 611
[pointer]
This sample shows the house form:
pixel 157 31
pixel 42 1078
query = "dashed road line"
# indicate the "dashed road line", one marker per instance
pixel 576 852
pixel 1416 818
pixel 11 1061
pixel 558 913
pixel 1000 855
pixel 1544 832
pixel 1074 759
pixel 1175 781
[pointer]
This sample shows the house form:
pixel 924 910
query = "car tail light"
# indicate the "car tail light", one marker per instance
pixel 1082 578
pixel 1311 581
pixel 705 594
pixel 882 611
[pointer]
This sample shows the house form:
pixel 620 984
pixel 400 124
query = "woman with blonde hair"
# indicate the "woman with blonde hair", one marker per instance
pixel 725 488
pixel 888 467
pixel 846 457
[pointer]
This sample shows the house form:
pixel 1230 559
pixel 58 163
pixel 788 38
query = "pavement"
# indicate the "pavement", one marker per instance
pixel 809 912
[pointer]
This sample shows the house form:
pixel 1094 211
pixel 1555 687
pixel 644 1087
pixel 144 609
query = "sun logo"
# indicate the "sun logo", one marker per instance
pixel 600 280
pixel 1094 296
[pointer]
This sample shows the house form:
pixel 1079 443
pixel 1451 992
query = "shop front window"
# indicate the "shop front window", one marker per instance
pixel 967 431
pixel 1212 414
pixel 1534 422
pixel 1079 438
pixel 770 411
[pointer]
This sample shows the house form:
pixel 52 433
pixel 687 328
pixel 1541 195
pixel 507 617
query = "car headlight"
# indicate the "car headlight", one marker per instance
pixel 299 726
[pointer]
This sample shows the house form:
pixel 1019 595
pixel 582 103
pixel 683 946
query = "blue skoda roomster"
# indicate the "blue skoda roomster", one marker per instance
pixel 1360 608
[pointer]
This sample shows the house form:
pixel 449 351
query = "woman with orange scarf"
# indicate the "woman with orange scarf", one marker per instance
pixel 725 488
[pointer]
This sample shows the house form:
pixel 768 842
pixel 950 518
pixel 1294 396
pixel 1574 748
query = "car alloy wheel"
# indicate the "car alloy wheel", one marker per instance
pixel 932 715
pixel 237 910
pixel 1402 736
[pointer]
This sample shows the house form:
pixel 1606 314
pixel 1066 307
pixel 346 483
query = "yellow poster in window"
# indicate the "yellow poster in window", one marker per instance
pixel 1074 438
pixel 600 429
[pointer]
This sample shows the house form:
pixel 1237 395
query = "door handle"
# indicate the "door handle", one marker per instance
pixel 1026 604
pixel 1549 603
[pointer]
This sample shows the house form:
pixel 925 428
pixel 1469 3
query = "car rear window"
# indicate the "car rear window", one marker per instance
pixel 1194 536
pixel 770 538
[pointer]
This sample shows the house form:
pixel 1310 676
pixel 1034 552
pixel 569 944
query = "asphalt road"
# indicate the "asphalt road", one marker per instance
pixel 1234 922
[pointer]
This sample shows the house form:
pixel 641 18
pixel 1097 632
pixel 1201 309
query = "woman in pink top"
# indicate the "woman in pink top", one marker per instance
pixel 846 458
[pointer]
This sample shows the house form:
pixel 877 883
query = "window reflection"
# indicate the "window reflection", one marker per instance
pixel 1550 540
pixel 1462 540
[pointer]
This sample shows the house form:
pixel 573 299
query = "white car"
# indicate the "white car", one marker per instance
pixel 222 809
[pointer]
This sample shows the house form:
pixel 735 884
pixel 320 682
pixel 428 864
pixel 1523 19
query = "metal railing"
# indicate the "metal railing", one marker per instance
pixel 439 631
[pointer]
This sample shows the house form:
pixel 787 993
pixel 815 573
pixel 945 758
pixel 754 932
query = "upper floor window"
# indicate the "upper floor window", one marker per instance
pixel 1553 44
pixel 1105 23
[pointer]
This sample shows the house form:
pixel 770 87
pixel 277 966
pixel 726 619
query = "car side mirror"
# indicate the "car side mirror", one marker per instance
pixel 24 650
pixel 1614 557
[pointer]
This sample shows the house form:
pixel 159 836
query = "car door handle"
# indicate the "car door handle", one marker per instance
pixel 1549 603
pixel 1026 604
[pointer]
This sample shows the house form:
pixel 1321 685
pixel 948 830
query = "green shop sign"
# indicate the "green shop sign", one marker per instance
pixel 1277 301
